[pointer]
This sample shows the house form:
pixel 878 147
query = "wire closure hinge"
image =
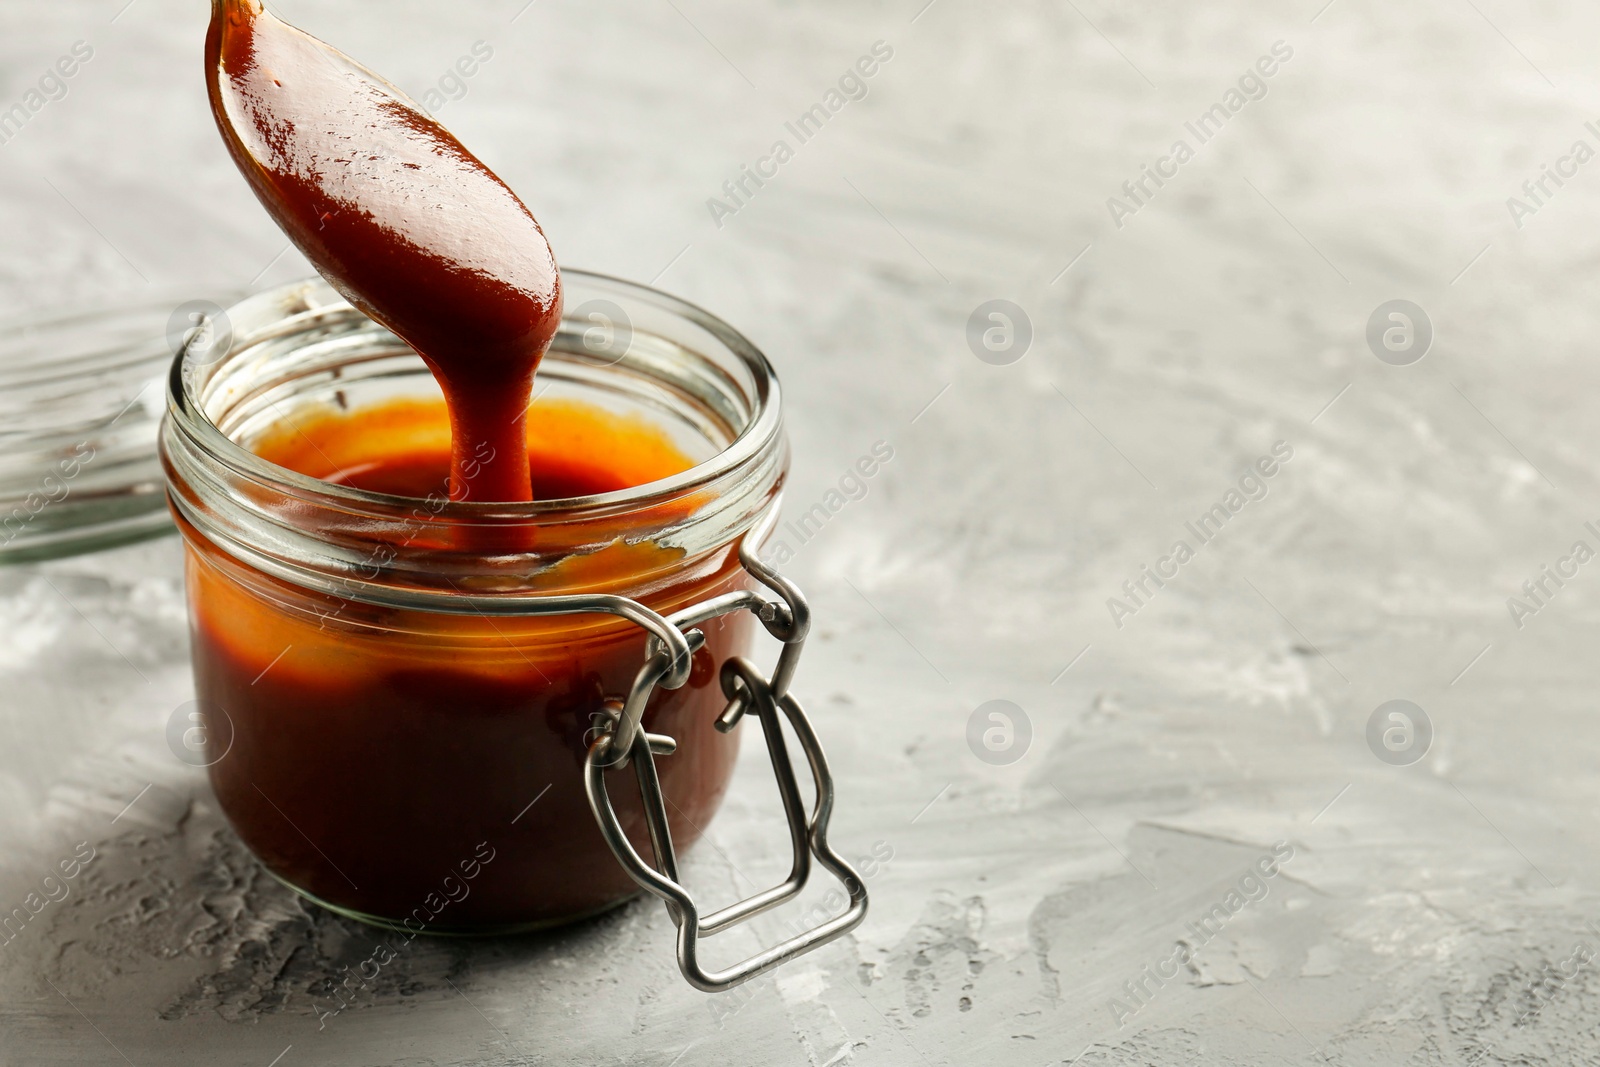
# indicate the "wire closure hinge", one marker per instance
pixel 769 700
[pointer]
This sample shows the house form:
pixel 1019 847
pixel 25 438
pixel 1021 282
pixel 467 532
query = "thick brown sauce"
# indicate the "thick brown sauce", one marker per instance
pixel 406 223
pixel 371 752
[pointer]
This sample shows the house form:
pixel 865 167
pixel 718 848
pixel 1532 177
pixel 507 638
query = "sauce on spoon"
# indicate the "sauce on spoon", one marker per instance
pixel 399 217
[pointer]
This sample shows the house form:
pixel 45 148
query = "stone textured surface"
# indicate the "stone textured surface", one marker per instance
pixel 1424 906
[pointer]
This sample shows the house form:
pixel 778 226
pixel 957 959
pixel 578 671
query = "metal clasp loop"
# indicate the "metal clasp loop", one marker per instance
pixel 788 619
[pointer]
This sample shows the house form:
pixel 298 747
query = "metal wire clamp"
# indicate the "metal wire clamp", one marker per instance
pixel 787 618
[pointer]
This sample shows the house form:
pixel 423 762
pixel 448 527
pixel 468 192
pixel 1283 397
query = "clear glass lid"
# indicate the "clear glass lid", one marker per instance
pixel 81 397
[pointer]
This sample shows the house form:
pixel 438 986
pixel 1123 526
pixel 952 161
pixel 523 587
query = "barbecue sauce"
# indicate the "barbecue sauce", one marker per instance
pixel 365 754
pixel 407 224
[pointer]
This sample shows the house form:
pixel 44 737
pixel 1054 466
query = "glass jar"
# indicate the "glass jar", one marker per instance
pixel 398 722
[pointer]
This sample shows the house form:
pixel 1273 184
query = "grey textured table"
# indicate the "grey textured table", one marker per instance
pixel 1437 913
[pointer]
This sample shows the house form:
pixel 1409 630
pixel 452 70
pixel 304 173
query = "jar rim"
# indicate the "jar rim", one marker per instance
pixel 186 409
pixel 305 344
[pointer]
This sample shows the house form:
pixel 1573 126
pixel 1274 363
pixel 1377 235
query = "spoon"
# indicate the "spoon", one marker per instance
pixel 402 220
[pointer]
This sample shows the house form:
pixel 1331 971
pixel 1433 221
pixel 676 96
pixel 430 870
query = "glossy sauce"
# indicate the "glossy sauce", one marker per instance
pixel 399 217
